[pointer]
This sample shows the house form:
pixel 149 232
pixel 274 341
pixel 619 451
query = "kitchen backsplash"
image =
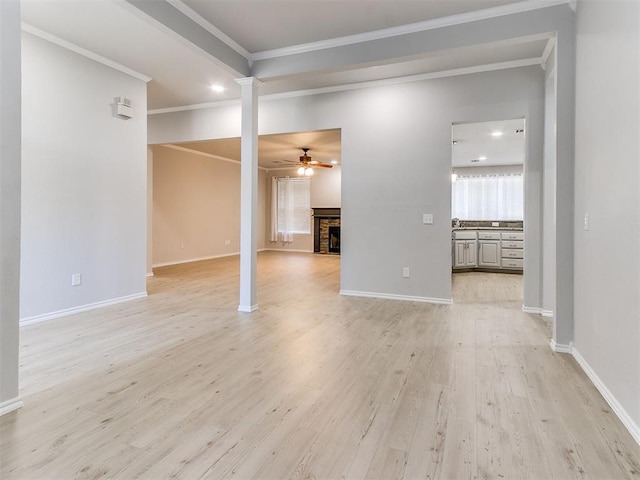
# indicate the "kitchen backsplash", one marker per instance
pixel 488 223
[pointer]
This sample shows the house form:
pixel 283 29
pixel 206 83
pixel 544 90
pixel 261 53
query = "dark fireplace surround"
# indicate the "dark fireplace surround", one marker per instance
pixel 326 230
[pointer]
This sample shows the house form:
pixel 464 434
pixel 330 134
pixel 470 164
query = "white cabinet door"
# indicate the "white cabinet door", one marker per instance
pixel 472 253
pixel 489 254
pixel 459 256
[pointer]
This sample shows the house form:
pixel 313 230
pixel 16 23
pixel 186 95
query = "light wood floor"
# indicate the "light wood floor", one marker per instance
pixel 313 385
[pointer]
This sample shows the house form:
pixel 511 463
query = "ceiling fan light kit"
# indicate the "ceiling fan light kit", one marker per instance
pixel 307 164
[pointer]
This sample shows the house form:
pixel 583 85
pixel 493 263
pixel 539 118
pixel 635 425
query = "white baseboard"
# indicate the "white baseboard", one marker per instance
pixel 537 311
pixel 83 308
pixel 534 310
pixel 247 308
pixel 618 409
pixel 561 347
pixel 391 296
pixel 287 250
pixel 10 405
pixel 191 260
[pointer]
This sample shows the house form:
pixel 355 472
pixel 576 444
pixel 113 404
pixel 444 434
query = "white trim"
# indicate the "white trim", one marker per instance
pixel 452 20
pixel 561 347
pixel 618 409
pixel 195 106
pixel 191 260
pixel 392 296
pixel 83 308
pixel 547 313
pixel 83 51
pixel 547 51
pixel 247 308
pixel 534 310
pixel 10 405
pixel 149 274
pixel 187 11
pixel 204 154
pixel 491 67
pixel 287 250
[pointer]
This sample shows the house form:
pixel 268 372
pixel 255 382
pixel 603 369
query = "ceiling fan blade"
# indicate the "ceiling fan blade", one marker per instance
pixel 321 165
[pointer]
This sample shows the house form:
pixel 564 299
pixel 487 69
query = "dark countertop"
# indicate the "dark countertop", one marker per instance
pixel 505 229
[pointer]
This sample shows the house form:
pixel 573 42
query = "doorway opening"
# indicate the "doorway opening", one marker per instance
pixel 487 199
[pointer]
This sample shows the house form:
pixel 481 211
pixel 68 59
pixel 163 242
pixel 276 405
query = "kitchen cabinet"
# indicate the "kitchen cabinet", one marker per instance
pixel 465 250
pixel 488 249
pixel 512 250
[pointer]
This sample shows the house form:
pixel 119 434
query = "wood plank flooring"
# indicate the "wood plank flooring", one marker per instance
pixel 313 385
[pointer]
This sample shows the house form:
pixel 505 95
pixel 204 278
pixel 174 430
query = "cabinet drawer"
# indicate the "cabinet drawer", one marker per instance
pixel 465 235
pixel 488 235
pixel 512 263
pixel 512 235
pixel 512 253
pixel 512 244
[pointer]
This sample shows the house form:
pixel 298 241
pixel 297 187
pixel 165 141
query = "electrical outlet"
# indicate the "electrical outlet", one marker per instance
pixel 405 272
pixel 76 279
pixel 427 218
pixel 586 221
pixel 227 242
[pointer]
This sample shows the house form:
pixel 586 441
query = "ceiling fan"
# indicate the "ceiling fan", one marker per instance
pixel 307 165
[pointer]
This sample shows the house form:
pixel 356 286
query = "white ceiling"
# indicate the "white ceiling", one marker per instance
pixel 182 72
pixel 471 141
pixel 276 151
pixel 260 25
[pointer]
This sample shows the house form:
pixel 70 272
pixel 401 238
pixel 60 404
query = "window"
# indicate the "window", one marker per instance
pixel 294 205
pixel 488 197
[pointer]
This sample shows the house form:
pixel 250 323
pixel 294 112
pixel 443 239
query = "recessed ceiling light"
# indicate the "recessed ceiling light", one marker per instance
pixel 482 157
pixel 217 88
pixel 497 134
pixel 334 162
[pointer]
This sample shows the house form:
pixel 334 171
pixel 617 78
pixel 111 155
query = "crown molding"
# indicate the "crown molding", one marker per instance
pixel 195 106
pixel 203 154
pixel 527 62
pixel 204 23
pixel 243 81
pixel 510 9
pixel 83 51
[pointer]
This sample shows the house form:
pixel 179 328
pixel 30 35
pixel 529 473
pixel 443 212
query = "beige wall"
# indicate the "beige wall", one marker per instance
pixel 196 207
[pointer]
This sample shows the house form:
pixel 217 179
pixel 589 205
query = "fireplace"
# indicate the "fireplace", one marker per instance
pixel 334 239
pixel 326 230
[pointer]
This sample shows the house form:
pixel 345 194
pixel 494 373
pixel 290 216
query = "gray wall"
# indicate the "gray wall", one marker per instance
pixel 607 174
pixel 396 164
pixel 84 183
pixel 9 201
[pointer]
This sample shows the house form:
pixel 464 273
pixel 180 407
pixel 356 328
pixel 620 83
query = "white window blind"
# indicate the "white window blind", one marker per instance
pixel 294 205
pixel 488 197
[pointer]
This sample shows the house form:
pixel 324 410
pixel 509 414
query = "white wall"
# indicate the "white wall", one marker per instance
pixel 84 182
pixel 607 175
pixel 396 165
pixel 9 202
pixel 196 207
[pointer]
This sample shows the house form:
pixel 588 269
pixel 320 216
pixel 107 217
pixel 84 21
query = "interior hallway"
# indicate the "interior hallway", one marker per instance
pixel 312 385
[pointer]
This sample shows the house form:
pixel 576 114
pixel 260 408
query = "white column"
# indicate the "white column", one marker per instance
pixel 249 195
pixel 10 115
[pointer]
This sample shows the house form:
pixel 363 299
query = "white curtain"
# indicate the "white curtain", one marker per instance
pixel 285 210
pixel 273 227
pixel 488 197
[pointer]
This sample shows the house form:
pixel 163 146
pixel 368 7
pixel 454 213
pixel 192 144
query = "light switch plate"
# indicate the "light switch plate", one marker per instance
pixel 427 218
pixel 76 279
